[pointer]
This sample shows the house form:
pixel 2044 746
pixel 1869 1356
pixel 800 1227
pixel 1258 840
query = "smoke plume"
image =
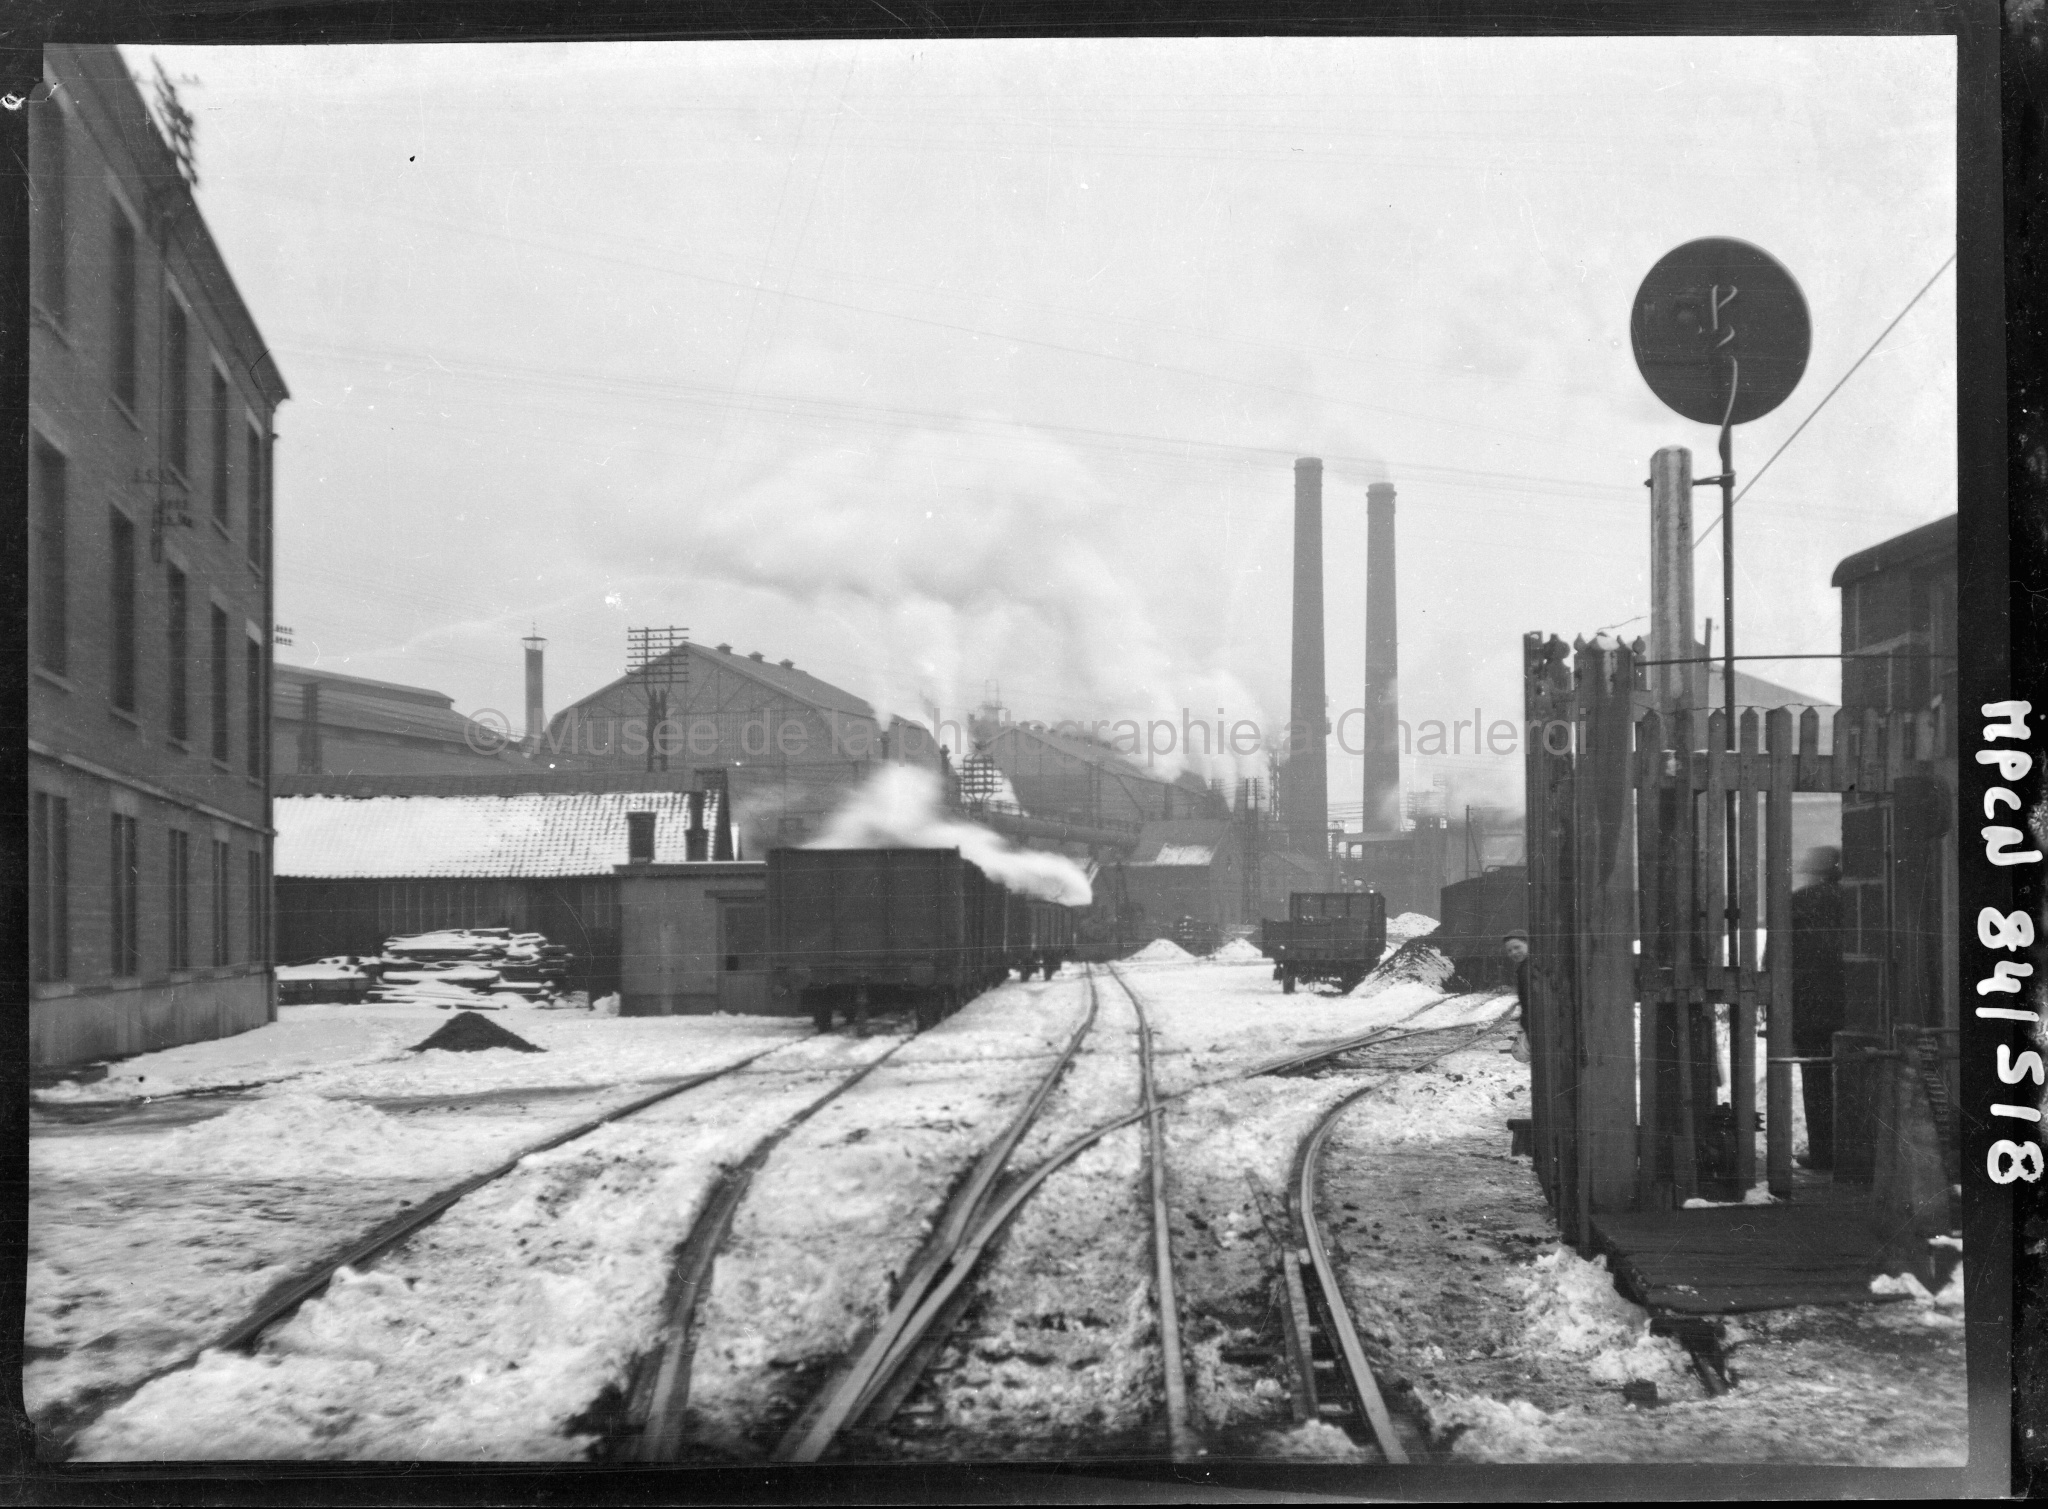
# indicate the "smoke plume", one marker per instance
pixel 898 807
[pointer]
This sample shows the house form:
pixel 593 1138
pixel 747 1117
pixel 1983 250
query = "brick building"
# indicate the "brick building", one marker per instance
pixel 790 746
pixel 151 399
pixel 1899 850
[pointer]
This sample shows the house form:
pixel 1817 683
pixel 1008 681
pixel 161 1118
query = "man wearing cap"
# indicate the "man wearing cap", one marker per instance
pixel 1515 944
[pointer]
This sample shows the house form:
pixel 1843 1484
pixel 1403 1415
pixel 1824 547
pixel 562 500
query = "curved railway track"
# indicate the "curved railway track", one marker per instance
pixel 290 1293
pixel 1333 1378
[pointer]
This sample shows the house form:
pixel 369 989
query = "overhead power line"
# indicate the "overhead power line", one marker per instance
pixel 1757 476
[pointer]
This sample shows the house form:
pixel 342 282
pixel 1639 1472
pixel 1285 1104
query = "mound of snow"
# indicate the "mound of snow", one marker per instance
pixel 1572 1309
pixel 1239 951
pixel 1414 962
pixel 1409 925
pixel 1161 950
pixel 297 1135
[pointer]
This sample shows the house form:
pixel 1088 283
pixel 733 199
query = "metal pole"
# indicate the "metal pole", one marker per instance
pixel 1732 847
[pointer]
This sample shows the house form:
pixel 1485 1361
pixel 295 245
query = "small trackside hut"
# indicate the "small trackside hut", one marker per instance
pixel 1335 936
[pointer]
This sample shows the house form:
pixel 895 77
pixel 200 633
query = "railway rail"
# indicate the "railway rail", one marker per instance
pixel 290 1293
pixel 1333 1378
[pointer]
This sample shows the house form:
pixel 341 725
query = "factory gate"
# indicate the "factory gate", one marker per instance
pixel 1639 956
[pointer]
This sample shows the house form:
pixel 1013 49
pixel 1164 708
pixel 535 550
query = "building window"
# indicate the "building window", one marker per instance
pixel 253 493
pixel 126 875
pixel 220 686
pixel 53 638
pixel 122 271
pixel 253 696
pixel 49 863
pixel 121 608
pixel 221 866
pixel 180 649
pixel 257 952
pixel 219 438
pixel 178 891
pixel 177 386
pixel 49 211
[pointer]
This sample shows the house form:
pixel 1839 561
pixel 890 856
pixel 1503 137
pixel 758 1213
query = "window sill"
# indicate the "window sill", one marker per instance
pixel 121 714
pixel 183 746
pixel 53 990
pixel 55 678
pixel 223 766
pixel 121 407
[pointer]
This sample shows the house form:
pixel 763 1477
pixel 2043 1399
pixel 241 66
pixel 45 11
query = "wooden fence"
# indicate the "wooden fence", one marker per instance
pixel 1637 946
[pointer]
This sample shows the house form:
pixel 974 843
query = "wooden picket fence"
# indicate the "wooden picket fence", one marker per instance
pixel 1636 944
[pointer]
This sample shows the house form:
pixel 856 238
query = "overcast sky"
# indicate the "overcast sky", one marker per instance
pixel 936 364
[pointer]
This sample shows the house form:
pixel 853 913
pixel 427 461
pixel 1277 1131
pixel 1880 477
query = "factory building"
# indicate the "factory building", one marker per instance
pixel 327 724
pixel 150 584
pixel 790 746
pixel 1064 772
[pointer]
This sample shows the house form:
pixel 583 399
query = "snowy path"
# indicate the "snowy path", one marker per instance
pixel 488 1334
pixel 1517 1349
pixel 842 1207
pixel 150 1234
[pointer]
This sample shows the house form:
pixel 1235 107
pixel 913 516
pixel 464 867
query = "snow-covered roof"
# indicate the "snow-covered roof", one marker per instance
pixel 499 837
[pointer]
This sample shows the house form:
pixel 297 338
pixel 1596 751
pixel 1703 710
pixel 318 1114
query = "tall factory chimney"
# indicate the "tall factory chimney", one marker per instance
pixel 1305 805
pixel 1382 667
pixel 536 706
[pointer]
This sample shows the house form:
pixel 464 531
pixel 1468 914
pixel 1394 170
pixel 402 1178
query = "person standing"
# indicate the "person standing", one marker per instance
pixel 1819 995
pixel 1515 944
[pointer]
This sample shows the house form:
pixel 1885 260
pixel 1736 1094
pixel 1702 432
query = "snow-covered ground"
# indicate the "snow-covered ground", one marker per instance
pixel 153 1226
pixel 163 1205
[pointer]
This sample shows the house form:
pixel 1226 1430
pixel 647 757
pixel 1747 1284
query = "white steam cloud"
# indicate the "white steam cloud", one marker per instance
pixel 950 559
pixel 898 807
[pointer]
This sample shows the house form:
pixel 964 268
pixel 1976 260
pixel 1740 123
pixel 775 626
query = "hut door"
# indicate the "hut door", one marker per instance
pixel 742 957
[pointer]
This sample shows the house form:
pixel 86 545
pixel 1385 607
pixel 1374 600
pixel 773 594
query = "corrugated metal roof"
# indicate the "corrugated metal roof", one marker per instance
pixel 473 837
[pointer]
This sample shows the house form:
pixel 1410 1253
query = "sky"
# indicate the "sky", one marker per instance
pixel 948 367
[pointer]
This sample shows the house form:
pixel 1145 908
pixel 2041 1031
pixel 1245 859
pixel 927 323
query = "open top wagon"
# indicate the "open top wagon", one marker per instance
pixel 1336 936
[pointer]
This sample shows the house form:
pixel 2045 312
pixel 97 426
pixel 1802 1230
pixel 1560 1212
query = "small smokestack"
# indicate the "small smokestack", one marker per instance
pixel 1382 666
pixel 536 705
pixel 1305 806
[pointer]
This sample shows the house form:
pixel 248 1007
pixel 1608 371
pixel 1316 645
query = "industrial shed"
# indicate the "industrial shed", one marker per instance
pixel 353 871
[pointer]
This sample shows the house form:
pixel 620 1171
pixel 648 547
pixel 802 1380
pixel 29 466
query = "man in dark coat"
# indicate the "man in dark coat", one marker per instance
pixel 1819 995
pixel 1515 944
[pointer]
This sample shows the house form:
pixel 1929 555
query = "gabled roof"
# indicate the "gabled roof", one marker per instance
pixel 1928 542
pixel 799 686
pixel 354 702
pixel 475 837
pixel 1093 753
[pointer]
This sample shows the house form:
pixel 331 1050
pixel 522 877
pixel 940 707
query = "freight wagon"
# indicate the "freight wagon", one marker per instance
pixel 852 931
pixel 1476 914
pixel 1328 935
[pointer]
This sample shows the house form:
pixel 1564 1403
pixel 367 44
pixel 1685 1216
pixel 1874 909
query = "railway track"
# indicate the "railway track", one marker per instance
pixel 1332 1378
pixel 286 1297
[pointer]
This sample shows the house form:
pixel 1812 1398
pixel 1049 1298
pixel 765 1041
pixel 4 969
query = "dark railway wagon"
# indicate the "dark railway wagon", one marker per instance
pixel 855 930
pixel 1336 936
pixel 1476 913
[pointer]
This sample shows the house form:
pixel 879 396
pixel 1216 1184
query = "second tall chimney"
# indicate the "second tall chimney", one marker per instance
pixel 1382 667
pixel 1305 805
pixel 536 707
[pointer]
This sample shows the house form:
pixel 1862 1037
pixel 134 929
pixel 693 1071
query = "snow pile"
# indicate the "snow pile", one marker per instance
pixel 1572 1309
pixel 1409 925
pixel 1412 961
pixel 1161 951
pixel 1922 1309
pixel 899 807
pixel 1239 951
pixel 1316 1440
pixel 295 1135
